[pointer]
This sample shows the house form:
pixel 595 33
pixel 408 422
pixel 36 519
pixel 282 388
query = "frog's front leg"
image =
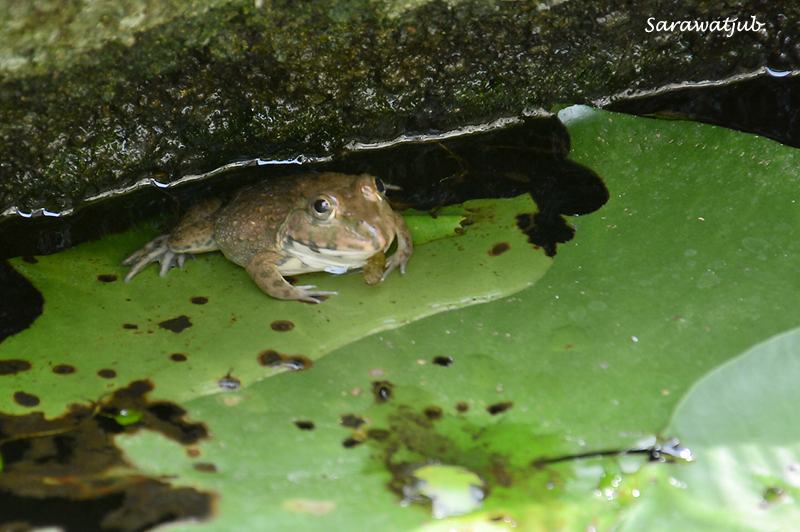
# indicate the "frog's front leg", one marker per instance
pixel 194 234
pixel 263 268
pixel 404 247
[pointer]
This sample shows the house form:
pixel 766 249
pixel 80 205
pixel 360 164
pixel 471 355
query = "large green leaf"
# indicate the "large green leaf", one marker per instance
pixel 221 322
pixel 685 268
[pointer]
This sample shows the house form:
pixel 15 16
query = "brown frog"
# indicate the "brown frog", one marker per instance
pixel 291 225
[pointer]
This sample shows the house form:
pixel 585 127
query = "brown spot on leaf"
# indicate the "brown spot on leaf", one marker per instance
pixel 500 472
pixel 176 325
pixel 229 382
pixel 351 442
pixel 178 357
pixel 12 366
pixel 497 408
pixel 273 359
pixel 443 360
pixel 378 434
pixel 63 369
pixel 433 412
pixel 205 467
pixel 26 399
pixel 282 325
pixel 304 424
pixel 382 391
pixel 297 362
pixel 130 326
pixel 270 358
pixel 466 222
pixel 106 277
pixel 199 300
pixel 106 373
pixel 351 420
pixel 462 406
pixel 499 249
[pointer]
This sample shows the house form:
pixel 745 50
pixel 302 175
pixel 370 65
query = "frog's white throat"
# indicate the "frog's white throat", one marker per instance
pixel 304 258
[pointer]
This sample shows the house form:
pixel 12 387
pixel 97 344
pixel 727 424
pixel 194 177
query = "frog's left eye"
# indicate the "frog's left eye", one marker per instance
pixel 379 185
pixel 322 207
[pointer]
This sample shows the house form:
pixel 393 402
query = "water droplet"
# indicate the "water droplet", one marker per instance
pixel 778 73
pixel 708 279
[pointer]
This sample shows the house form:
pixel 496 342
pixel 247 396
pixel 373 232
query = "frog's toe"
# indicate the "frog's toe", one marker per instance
pixel 170 259
pixel 154 246
pixel 306 293
pixel 153 251
pixel 166 260
pixel 157 250
pixel 393 263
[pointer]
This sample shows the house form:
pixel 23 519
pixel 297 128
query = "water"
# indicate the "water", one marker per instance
pixel 766 105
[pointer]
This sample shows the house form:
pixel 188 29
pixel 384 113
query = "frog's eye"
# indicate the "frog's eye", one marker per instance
pixel 322 208
pixel 379 185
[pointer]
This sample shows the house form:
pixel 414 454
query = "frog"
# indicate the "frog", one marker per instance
pixel 290 225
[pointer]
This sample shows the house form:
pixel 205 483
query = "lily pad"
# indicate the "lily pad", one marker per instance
pixel 195 327
pixel 739 422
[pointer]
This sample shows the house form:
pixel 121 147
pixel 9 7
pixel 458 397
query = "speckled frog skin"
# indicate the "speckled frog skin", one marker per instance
pixel 286 226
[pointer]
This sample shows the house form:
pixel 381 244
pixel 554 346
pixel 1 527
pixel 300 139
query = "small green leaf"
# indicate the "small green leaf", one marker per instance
pixel 127 416
pixel 452 490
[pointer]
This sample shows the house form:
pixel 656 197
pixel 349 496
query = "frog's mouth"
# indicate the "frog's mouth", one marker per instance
pixel 308 257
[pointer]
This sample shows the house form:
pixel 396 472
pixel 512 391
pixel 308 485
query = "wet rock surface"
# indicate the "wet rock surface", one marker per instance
pixel 156 96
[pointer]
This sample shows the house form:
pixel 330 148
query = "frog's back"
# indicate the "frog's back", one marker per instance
pixel 250 223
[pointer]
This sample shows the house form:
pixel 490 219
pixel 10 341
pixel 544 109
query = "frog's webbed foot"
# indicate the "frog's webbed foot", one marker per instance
pixel 157 250
pixel 307 295
pixel 395 261
pixel 404 249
